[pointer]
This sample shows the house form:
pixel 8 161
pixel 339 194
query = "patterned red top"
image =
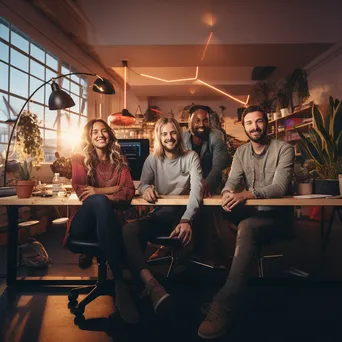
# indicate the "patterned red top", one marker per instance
pixel 107 175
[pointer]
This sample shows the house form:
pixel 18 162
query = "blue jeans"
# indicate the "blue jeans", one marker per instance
pixel 96 220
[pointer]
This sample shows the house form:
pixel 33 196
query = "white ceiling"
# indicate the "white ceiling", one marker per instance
pixel 167 39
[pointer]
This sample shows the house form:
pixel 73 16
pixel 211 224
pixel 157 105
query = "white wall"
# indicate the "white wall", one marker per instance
pixel 327 80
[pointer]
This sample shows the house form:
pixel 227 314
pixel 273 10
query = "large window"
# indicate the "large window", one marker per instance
pixel 24 66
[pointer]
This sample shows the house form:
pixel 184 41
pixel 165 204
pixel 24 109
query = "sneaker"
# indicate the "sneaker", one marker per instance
pixel 85 261
pixel 125 304
pixel 216 322
pixel 156 292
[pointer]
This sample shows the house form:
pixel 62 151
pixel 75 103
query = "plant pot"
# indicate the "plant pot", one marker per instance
pixel 326 187
pixel 304 188
pixel 284 112
pixel 276 115
pixel 24 188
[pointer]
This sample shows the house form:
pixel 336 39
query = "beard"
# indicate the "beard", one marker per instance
pixel 172 149
pixel 201 134
pixel 257 139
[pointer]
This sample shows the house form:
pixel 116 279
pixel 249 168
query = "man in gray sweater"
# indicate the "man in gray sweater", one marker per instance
pixel 266 166
pixel 170 170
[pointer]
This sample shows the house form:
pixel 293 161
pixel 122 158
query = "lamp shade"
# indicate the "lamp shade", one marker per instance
pixel 59 99
pixel 124 118
pixel 103 86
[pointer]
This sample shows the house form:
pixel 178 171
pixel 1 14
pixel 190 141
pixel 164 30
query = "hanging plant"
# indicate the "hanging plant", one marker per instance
pixel 29 140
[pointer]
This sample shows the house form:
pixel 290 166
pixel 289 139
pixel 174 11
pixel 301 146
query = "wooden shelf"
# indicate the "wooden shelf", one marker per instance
pixel 307 124
pixel 294 114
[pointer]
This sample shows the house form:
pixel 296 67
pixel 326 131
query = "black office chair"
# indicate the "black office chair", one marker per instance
pixel 102 286
pixel 175 246
pixel 260 256
pixel 261 243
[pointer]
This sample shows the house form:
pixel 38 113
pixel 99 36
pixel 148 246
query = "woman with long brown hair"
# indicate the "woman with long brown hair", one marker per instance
pixel 102 181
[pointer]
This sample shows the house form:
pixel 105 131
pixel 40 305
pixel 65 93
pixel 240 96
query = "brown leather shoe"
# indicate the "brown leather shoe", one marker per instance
pixel 156 292
pixel 216 322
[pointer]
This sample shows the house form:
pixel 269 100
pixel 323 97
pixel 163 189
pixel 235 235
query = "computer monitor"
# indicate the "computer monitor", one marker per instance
pixel 136 151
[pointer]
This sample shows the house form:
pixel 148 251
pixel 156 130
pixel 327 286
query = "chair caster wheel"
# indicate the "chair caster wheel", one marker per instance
pixel 79 319
pixel 72 296
pixel 77 311
pixel 72 304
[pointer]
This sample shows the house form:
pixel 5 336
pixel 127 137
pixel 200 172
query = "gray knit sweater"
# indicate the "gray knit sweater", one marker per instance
pixel 180 176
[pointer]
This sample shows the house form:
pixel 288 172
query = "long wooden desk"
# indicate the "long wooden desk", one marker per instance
pixel 175 200
pixel 13 203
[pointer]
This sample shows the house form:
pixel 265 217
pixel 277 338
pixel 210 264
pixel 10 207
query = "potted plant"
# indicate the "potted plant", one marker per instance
pixel 29 152
pixel 24 184
pixel 267 100
pixel 324 147
pixel 298 83
pixel 283 94
pixel 303 177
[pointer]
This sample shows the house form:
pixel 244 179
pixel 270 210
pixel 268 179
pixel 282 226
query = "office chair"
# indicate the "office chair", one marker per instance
pixel 174 254
pixel 259 252
pixel 102 286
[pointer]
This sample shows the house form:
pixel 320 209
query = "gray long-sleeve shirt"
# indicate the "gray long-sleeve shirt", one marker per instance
pixel 275 173
pixel 214 156
pixel 180 176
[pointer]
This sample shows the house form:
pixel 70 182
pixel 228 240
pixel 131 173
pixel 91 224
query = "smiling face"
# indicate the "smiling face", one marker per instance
pixel 255 126
pixel 169 137
pixel 200 126
pixel 99 136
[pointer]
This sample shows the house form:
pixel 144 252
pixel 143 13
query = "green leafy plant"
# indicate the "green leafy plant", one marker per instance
pixel 298 82
pixel 266 91
pixel 283 93
pixel 24 171
pixel 29 140
pixel 304 173
pixel 295 82
pixel 324 143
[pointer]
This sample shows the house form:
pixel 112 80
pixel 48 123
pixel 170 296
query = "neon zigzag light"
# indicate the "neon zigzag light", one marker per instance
pixel 198 80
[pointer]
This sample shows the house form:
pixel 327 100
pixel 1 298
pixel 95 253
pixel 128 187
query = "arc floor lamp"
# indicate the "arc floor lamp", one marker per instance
pixel 59 99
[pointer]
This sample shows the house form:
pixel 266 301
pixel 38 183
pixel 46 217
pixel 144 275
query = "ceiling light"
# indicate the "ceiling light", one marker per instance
pixel 123 118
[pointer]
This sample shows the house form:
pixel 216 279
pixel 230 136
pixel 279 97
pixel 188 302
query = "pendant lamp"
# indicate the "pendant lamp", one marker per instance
pixel 123 118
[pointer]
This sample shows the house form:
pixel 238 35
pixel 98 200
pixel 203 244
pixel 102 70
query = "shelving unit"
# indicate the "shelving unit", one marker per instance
pixel 284 127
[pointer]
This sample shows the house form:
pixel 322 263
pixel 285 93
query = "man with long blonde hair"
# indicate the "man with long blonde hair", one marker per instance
pixel 170 170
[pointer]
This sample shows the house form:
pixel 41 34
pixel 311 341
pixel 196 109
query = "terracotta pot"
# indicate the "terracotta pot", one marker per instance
pixel 304 188
pixel 24 188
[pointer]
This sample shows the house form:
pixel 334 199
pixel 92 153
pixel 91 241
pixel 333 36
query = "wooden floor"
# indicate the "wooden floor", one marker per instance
pixel 292 309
